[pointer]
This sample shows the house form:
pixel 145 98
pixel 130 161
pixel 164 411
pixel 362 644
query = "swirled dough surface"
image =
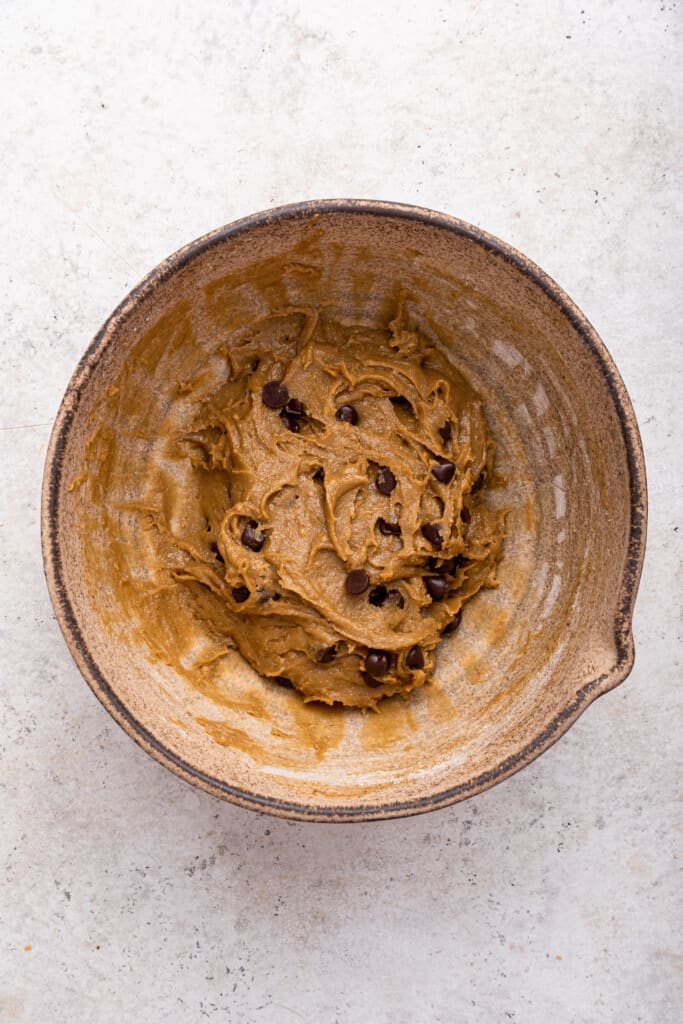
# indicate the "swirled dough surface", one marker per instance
pixel 285 505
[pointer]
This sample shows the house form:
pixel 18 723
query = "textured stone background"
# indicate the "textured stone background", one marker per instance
pixel 128 129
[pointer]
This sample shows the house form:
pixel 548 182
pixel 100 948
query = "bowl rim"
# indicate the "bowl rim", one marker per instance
pixel 52 483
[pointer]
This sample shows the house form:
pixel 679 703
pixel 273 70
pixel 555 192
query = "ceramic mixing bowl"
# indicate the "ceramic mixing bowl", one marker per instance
pixel 529 657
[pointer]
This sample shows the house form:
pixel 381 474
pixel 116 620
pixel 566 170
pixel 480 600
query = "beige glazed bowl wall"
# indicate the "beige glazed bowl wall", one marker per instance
pixel 529 656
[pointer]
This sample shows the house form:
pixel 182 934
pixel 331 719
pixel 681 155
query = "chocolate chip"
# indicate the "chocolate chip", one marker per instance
pixel 396 597
pixel 295 408
pixel 292 423
pixel 347 414
pixel 437 587
pixel 370 681
pixel 240 594
pixel 275 394
pixel 327 654
pixel 385 480
pixel 452 625
pixel 449 565
pixel 432 532
pixel 377 663
pixel 441 565
pixel 292 414
pixel 415 658
pixel 357 581
pixel 388 529
pixel 478 483
pixel 465 514
pixel 250 538
pixel 378 595
pixel 446 431
pixel 444 471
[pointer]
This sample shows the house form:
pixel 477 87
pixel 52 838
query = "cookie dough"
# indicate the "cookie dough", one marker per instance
pixel 339 476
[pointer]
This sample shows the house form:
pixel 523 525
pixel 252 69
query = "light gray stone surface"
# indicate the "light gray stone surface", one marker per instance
pixel 127 129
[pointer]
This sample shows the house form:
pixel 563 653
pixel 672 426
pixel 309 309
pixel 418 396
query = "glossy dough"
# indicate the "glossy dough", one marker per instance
pixel 280 518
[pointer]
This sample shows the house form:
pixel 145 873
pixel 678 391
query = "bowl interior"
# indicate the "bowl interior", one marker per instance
pixel 528 656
